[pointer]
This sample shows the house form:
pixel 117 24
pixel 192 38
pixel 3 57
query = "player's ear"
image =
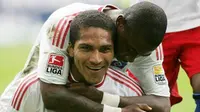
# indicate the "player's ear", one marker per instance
pixel 120 22
pixel 70 50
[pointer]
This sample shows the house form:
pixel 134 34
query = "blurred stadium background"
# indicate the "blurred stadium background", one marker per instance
pixel 20 22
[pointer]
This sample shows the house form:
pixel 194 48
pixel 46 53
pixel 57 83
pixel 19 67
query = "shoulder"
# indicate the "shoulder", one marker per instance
pixel 57 27
pixel 156 57
pixel 27 85
pixel 124 80
pixel 120 75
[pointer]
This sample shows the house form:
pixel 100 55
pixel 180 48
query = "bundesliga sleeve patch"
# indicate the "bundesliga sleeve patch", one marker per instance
pixel 55 64
pixel 159 74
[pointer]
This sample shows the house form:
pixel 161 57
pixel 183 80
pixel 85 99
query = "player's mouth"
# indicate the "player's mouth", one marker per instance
pixel 95 68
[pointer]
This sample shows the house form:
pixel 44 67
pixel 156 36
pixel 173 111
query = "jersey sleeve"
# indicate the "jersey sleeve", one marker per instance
pixel 150 73
pixel 53 65
pixel 27 98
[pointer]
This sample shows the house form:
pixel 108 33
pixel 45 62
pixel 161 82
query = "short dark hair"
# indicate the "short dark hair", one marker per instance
pixel 146 20
pixel 91 18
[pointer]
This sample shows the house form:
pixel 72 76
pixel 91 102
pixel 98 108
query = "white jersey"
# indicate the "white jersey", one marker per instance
pixel 52 63
pixel 54 42
pixel 181 14
pixel 28 98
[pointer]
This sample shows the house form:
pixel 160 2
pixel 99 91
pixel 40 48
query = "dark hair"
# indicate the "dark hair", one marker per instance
pixel 146 20
pixel 91 18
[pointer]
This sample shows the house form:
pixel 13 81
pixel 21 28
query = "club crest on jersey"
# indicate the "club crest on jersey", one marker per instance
pixel 159 74
pixel 55 64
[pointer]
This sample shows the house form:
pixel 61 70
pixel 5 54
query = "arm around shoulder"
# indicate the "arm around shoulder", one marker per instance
pixel 66 100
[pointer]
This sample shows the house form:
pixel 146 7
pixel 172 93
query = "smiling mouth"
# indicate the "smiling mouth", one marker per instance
pixel 95 68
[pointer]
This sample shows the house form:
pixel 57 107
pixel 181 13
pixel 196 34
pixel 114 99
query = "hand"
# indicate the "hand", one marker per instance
pixel 89 92
pixel 137 108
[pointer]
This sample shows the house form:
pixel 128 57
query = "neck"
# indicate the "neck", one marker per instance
pixel 114 14
pixel 76 74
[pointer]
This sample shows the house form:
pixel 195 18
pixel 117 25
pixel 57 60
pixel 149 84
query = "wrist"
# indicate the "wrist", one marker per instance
pixel 123 110
pixel 110 99
pixel 107 108
pixel 100 97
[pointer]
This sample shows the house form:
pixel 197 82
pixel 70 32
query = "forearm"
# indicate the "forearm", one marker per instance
pixel 158 103
pixel 59 99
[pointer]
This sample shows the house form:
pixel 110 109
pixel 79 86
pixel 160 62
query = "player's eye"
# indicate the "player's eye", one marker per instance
pixel 106 49
pixel 85 47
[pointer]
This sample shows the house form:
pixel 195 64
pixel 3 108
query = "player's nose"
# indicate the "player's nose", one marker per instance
pixel 96 57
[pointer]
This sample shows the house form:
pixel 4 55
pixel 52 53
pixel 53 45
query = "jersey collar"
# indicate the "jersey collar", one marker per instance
pixel 73 80
pixel 108 6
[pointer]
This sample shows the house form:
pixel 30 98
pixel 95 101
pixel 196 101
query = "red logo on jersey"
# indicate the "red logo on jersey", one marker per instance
pixel 56 60
pixel 132 75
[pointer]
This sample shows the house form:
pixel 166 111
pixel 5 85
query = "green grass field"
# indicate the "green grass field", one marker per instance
pixel 12 60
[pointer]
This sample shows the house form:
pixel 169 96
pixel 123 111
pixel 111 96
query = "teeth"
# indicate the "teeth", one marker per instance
pixel 95 68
